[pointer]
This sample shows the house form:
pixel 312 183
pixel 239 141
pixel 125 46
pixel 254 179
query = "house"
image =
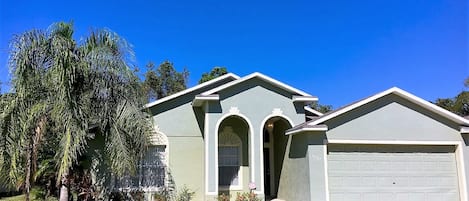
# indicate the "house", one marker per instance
pixel 236 134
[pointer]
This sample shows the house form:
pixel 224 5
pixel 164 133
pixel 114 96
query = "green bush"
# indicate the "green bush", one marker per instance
pixel 185 194
pixel 223 197
pixel 247 197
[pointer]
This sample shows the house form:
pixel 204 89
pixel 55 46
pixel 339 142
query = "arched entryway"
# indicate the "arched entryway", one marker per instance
pixel 233 154
pixel 275 143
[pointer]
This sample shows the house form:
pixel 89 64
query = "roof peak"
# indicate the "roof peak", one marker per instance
pixel 191 89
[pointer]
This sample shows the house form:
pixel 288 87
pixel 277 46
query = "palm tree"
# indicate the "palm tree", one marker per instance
pixel 87 85
pixel 23 115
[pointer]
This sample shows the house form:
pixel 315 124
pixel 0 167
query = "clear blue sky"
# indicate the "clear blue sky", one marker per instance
pixel 340 51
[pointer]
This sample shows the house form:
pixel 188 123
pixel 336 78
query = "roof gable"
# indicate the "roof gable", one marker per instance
pixel 264 78
pixel 401 93
pixel 317 124
pixel 229 76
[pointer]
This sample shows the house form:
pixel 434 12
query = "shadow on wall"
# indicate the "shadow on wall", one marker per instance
pixel 299 143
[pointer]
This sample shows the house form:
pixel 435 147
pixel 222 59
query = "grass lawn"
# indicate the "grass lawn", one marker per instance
pixel 14 198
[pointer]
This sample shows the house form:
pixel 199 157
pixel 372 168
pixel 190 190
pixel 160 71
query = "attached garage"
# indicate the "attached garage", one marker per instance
pixel 392 146
pixel 392 172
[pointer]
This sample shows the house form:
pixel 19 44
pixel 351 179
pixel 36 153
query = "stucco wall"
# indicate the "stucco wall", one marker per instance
pixel 304 168
pixel 389 120
pixel 186 156
pixel 184 125
pixel 254 100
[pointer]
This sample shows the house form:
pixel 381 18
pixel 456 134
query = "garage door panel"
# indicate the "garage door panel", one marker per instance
pixel 374 172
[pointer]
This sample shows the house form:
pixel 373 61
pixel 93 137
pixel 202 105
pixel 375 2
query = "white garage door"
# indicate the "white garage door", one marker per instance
pixel 392 172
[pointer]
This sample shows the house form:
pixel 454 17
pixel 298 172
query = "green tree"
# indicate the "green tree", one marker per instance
pixel 164 80
pixel 72 89
pixel 214 73
pixel 321 108
pixel 458 104
pixel 23 115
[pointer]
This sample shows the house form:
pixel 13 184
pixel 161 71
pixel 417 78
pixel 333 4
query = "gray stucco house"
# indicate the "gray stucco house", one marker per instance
pixel 229 134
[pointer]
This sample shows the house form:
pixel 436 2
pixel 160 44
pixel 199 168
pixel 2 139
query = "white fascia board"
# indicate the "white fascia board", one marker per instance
pixel 307 99
pixel 464 130
pixel 199 100
pixel 307 108
pixel 192 89
pixel 401 93
pixel 308 128
pixel 433 107
pixel 261 76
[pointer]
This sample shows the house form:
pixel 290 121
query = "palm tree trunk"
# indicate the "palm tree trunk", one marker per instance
pixel 27 182
pixel 64 187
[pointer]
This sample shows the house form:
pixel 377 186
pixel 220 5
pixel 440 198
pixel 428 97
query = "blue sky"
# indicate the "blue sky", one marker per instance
pixel 340 51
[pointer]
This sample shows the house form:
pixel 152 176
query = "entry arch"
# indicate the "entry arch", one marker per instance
pixel 274 158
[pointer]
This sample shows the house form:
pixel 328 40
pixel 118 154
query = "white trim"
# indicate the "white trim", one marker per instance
pixel 326 172
pixel 458 154
pixel 228 75
pixel 392 142
pixel 464 130
pixel 261 76
pixel 250 145
pixel 305 99
pixel 199 100
pixel 461 172
pixel 207 98
pixel 261 141
pixel 206 134
pixel 310 128
pixel 309 109
pixel 410 97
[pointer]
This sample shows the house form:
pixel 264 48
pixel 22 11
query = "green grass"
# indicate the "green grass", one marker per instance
pixel 14 198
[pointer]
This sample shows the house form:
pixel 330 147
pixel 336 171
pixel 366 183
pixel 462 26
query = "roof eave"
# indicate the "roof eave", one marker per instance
pixel 464 130
pixel 316 128
pixel 199 100
pixel 167 98
pixel 304 99
pixel 423 103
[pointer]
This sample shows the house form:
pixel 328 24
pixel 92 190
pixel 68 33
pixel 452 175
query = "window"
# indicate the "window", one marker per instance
pixel 229 158
pixel 151 169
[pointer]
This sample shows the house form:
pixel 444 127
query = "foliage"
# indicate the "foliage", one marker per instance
pixel 458 104
pixel 214 73
pixel 185 194
pixel 14 198
pixel 164 80
pixel 223 197
pixel 62 91
pixel 135 195
pixel 251 196
pixel 246 196
pixel 321 108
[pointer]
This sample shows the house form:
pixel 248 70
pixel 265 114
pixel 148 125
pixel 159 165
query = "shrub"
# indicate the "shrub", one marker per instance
pixel 247 197
pixel 223 197
pixel 185 194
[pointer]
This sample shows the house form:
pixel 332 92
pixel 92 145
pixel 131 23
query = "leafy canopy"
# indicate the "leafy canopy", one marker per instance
pixel 214 73
pixel 65 92
pixel 164 80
